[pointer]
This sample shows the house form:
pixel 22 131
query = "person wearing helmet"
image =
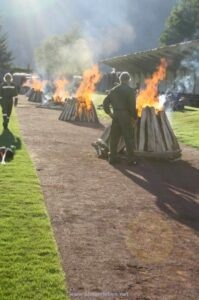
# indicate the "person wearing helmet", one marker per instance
pixel 7 91
pixel 122 100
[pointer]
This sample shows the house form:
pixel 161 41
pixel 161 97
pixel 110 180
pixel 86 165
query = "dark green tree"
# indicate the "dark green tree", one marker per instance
pixel 5 55
pixel 182 24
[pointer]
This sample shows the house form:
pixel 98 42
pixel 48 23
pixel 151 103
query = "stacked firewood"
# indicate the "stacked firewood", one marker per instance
pixel 154 136
pixel 35 96
pixel 74 110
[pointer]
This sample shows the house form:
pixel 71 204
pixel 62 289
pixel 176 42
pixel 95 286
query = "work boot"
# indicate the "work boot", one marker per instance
pixel 113 159
pixel 132 162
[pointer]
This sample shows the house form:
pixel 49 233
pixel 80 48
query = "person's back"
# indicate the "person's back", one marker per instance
pixel 8 88
pixel 7 92
pixel 122 98
pixel 123 103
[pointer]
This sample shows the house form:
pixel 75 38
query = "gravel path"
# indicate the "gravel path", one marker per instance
pixel 122 232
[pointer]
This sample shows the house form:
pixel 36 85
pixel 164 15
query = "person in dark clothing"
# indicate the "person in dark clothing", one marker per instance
pixel 7 91
pixel 123 102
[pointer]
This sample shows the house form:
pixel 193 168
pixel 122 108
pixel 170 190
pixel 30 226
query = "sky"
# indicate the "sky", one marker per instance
pixel 111 27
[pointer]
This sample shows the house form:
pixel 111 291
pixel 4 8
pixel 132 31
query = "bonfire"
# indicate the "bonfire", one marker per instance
pixel 154 136
pixel 81 108
pixel 35 94
pixel 61 93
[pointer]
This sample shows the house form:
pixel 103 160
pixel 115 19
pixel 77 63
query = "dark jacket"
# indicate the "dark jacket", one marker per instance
pixel 121 98
pixel 8 90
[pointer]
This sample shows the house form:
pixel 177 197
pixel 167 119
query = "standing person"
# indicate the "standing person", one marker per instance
pixel 7 91
pixel 123 102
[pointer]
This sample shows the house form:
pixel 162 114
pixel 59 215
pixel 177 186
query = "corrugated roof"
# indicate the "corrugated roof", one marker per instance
pixel 146 61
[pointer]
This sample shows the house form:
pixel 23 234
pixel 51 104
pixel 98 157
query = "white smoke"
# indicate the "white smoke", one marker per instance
pixel 112 27
pixel 192 62
pixel 75 57
pixel 56 58
pixel 187 79
pixel 111 39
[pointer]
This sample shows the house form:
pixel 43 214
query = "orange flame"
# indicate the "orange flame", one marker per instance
pixel 61 93
pixel 87 87
pixel 37 85
pixel 149 95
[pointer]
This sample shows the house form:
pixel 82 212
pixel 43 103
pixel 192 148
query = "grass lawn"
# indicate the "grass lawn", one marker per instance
pixel 186 126
pixel 29 261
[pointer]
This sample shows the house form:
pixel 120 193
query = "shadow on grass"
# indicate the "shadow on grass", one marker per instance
pixel 7 138
pixel 175 186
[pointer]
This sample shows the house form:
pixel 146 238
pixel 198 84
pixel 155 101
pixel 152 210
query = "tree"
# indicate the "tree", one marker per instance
pixel 182 24
pixel 5 55
pixel 63 55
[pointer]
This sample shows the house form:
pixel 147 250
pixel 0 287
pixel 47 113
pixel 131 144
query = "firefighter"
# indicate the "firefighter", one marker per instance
pixel 123 102
pixel 7 91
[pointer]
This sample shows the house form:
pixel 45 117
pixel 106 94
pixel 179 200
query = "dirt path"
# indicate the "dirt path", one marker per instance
pixel 119 230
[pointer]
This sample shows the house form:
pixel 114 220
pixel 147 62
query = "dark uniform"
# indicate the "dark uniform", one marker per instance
pixel 7 91
pixel 123 102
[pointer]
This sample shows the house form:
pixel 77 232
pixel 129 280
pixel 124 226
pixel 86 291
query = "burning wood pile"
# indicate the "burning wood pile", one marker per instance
pixel 81 108
pixel 74 110
pixel 61 93
pixel 154 136
pixel 35 94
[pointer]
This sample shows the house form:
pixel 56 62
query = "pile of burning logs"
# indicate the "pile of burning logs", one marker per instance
pixel 154 136
pixel 75 110
pixel 34 96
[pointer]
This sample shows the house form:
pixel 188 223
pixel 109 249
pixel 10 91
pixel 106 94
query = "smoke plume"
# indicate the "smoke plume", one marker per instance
pixel 109 28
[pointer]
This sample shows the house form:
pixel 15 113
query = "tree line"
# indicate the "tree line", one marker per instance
pixel 5 54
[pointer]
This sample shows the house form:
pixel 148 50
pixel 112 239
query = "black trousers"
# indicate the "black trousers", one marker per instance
pixel 122 126
pixel 6 105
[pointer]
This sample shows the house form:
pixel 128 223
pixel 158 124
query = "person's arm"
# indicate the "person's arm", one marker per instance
pixel 106 105
pixel 14 95
pixel 15 92
pixel 132 105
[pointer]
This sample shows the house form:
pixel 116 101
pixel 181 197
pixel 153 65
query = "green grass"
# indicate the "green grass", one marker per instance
pixel 29 261
pixel 186 126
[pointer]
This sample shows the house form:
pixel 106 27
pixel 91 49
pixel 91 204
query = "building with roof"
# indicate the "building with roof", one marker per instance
pixel 182 71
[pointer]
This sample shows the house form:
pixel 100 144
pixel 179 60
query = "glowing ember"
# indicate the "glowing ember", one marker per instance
pixel 149 95
pixel 87 87
pixel 61 92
